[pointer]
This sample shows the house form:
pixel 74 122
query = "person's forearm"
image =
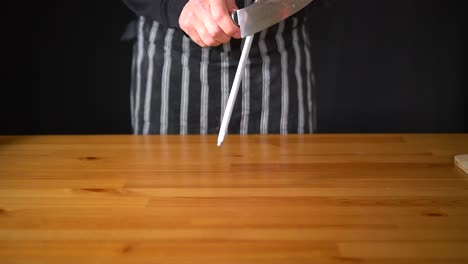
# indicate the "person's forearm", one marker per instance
pixel 166 12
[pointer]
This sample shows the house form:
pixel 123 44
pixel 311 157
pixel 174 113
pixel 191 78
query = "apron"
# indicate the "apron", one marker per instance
pixel 178 87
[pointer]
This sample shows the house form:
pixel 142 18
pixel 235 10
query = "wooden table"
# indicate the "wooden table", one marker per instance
pixel 257 199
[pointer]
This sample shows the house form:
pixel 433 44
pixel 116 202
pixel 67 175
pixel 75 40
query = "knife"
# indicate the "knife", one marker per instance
pixel 265 13
pixel 252 19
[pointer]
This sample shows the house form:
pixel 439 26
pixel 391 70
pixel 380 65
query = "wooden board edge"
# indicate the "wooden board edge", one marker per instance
pixel 461 161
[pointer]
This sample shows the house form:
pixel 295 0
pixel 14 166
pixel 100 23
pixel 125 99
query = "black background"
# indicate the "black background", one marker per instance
pixel 381 66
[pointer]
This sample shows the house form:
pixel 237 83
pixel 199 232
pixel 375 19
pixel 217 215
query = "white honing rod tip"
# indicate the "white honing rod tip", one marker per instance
pixel 220 140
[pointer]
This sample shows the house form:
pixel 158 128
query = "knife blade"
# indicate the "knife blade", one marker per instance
pixel 265 13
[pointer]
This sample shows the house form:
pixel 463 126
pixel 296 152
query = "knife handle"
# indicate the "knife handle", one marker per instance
pixel 235 18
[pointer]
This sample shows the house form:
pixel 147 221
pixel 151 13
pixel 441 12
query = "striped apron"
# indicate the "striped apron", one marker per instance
pixel 178 87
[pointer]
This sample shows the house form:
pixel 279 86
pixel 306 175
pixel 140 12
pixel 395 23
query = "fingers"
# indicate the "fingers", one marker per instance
pixel 195 28
pixel 220 13
pixel 208 22
pixel 193 34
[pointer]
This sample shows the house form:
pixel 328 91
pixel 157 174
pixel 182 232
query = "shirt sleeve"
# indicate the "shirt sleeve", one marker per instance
pixel 166 12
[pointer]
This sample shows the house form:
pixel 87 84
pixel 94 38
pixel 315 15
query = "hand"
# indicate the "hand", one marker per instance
pixel 208 22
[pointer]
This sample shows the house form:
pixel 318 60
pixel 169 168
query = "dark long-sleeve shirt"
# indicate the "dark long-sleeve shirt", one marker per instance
pixel 166 12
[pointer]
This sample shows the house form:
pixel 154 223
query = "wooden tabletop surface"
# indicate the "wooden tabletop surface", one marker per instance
pixel 345 198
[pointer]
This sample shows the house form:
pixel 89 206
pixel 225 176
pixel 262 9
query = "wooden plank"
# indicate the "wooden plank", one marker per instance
pixel 325 198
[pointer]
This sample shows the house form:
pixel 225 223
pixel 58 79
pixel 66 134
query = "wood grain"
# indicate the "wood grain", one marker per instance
pixel 324 198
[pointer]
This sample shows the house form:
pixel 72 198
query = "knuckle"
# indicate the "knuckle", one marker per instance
pixel 218 18
pixel 211 42
pixel 184 24
pixel 215 32
pixel 232 31
pixel 199 42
